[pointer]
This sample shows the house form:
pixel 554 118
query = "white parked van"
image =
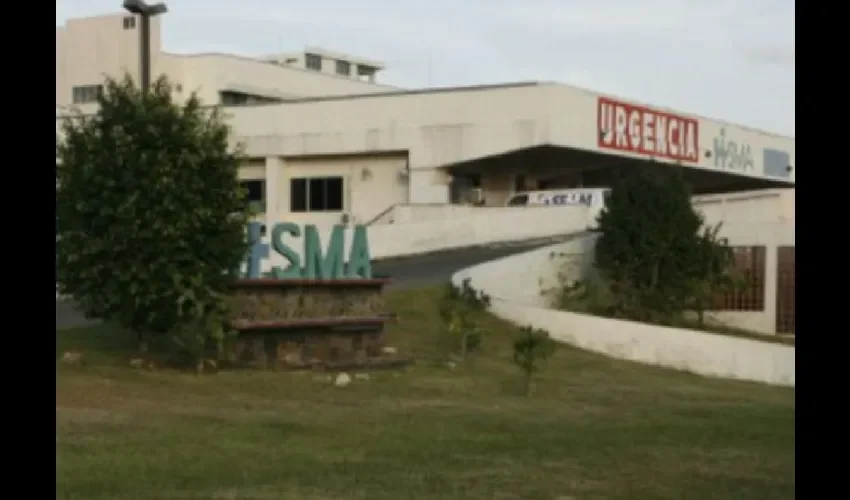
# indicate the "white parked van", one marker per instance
pixel 588 197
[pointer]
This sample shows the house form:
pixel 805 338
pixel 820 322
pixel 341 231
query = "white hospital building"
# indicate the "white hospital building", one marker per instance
pixel 327 142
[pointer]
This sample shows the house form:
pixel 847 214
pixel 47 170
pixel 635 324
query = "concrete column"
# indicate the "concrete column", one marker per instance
pixel 429 185
pixel 274 165
pixel 275 200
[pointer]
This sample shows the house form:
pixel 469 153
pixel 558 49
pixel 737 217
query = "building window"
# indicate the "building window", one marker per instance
pixel 366 73
pixel 749 263
pixel 343 68
pixel 317 194
pixel 786 275
pixel 129 23
pixel 255 194
pixel 230 98
pixel 313 61
pixel 233 98
pixel 85 94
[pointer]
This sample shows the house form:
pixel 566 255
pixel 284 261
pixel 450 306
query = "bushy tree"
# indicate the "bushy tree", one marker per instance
pixel 458 306
pixel 713 271
pixel 651 252
pixel 531 347
pixel 150 214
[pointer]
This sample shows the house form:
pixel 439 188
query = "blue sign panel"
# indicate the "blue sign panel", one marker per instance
pixel 776 163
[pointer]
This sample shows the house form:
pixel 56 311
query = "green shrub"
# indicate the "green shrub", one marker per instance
pixel 150 217
pixel 531 348
pixel 458 306
pixel 654 260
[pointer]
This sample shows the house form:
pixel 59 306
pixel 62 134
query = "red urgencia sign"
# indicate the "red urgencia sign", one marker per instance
pixel 638 129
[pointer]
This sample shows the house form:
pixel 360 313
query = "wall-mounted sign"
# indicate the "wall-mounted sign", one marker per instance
pixel 731 155
pixel 776 163
pixel 566 198
pixel 637 129
pixel 314 262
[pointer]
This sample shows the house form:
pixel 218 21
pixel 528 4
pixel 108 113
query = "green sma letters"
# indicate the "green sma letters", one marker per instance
pixel 314 262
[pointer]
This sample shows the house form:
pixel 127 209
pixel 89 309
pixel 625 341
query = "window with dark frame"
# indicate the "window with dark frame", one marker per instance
pixel 129 23
pixel 298 195
pixel 85 94
pixel 255 193
pixel 313 61
pixel 233 98
pixel 343 68
pixel 316 194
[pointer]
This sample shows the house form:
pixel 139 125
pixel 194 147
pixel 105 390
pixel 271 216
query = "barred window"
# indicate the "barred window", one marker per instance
pixel 786 271
pixel 749 262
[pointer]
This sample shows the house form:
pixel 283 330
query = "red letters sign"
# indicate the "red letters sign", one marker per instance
pixel 637 129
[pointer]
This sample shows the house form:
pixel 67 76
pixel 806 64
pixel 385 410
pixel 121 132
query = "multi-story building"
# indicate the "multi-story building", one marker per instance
pixel 327 142
pixel 92 48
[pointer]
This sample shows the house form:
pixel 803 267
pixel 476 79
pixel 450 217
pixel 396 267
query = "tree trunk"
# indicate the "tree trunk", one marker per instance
pixel 219 350
pixel 143 343
pixel 529 384
pixel 656 270
pixel 463 342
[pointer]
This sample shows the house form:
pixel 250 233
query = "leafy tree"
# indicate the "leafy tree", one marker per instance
pixel 713 271
pixel 149 211
pixel 650 251
pixel 531 347
pixel 458 306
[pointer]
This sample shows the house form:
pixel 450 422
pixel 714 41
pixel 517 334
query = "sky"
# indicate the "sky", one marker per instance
pixel 724 59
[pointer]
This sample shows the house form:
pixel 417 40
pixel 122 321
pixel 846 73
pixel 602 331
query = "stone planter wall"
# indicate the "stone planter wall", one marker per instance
pixel 308 324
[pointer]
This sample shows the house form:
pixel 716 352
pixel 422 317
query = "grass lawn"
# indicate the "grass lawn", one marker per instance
pixel 595 428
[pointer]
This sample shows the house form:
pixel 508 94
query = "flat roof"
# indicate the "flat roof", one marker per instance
pixel 498 86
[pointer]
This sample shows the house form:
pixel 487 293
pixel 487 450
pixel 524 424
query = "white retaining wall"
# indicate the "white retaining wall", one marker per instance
pixel 472 227
pixel 514 283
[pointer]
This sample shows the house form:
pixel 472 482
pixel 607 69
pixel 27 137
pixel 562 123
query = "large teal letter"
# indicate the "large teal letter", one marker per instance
pixel 294 268
pixel 325 267
pixel 359 260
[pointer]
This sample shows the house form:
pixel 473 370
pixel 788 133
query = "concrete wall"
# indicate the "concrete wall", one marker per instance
pixel 757 218
pixel 768 206
pixel 371 185
pixel 514 284
pixel 406 214
pixel 478 227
